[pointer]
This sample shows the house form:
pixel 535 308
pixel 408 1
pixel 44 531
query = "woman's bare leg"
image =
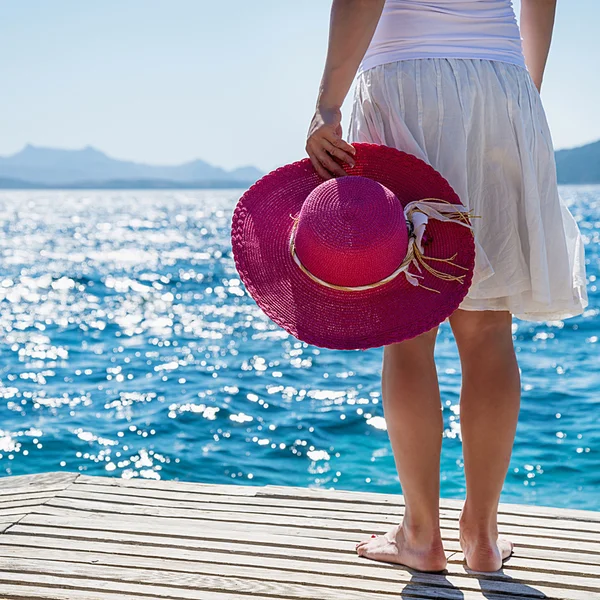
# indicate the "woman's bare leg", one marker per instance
pixel 489 410
pixel 412 409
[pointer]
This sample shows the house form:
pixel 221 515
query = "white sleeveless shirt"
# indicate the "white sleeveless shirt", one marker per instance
pixel 485 29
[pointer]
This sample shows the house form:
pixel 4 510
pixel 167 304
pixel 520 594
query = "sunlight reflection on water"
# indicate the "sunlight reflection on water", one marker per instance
pixel 131 349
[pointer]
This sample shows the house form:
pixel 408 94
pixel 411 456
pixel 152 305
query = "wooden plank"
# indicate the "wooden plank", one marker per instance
pixel 384 499
pixel 206 561
pixel 246 543
pixel 338 496
pixel 260 579
pixel 7 508
pixel 56 478
pixel 18 500
pixel 7 522
pixel 18 494
pixel 13 518
pixel 192 535
pixel 204 589
pixel 330 510
pixel 539 537
pixel 10 519
pixel 66 588
pixel 14 514
pixel 172 485
pixel 30 491
pixel 34 591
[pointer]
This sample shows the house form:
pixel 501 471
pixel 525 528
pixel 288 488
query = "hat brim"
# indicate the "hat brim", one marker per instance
pixel 343 320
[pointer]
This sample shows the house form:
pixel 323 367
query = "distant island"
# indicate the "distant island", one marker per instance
pixel 579 165
pixel 50 168
pixel 43 168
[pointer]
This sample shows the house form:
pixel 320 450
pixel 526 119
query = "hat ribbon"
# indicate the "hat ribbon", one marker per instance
pixel 417 214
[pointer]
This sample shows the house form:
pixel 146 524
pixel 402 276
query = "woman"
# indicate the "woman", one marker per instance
pixel 452 82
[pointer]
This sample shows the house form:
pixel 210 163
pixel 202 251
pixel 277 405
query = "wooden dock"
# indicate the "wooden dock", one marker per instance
pixel 72 536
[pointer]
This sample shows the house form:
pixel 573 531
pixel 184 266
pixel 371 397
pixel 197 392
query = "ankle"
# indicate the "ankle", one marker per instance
pixel 479 525
pixel 422 531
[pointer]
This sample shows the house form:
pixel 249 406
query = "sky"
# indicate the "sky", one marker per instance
pixel 233 83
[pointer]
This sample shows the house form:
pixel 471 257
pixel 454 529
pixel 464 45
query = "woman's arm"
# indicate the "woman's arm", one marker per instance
pixel 351 28
pixel 537 23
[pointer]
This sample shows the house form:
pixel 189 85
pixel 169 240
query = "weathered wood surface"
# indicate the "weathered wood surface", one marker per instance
pixel 71 536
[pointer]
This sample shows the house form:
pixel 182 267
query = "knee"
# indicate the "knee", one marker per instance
pixel 415 350
pixel 472 329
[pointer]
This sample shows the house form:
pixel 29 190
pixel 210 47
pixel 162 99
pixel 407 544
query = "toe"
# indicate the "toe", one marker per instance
pixel 362 542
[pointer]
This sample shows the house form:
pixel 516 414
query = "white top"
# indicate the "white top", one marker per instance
pixel 484 29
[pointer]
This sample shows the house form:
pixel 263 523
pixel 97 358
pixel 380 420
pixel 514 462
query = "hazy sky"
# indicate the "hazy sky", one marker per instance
pixel 232 83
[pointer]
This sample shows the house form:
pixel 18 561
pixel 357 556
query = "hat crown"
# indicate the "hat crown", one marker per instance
pixel 351 231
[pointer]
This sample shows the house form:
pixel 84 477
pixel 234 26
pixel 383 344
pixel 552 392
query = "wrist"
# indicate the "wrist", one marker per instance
pixel 329 94
pixel 325 103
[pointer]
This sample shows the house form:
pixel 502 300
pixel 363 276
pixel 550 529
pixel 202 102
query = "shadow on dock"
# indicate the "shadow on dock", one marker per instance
pixel 492 586
pixel 499 582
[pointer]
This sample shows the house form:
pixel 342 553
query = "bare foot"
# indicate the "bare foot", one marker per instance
pixel 485 553
pixel 395 547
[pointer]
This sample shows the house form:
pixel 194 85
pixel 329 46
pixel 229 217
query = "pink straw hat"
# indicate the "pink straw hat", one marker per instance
pixel 346 263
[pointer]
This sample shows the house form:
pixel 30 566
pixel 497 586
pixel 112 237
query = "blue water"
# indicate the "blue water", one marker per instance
pixel 130 349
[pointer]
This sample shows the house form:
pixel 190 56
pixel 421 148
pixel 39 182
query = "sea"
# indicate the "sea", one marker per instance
pixel 130 348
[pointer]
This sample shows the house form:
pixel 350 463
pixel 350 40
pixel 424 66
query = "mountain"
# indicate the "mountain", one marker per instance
pixel 37 167
pixel 579 165
pixel 50 167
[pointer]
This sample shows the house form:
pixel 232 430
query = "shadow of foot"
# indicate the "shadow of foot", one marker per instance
pixel 495 583
pixel 430 585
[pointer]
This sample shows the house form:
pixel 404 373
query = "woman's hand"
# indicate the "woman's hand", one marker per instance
pixel 325 141
pixel 351 28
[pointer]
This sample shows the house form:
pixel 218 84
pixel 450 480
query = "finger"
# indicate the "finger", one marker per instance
pixel 338 152
pixel 323 163
pixel 328 162
pixel 338 142
pixel 317 165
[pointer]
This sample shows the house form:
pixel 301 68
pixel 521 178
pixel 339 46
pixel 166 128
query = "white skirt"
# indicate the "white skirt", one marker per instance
pixel 482 125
